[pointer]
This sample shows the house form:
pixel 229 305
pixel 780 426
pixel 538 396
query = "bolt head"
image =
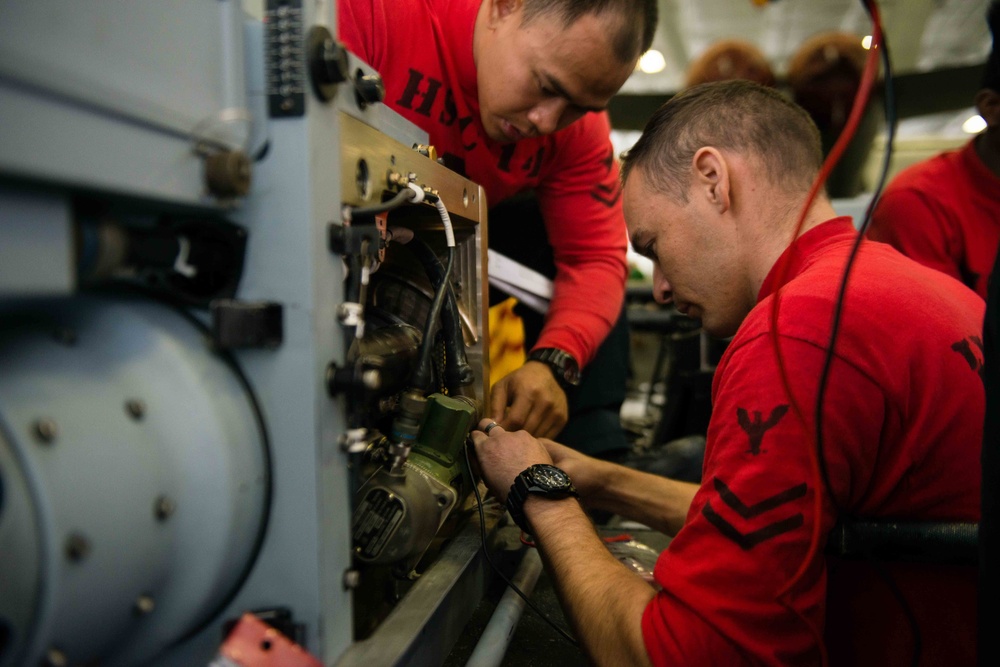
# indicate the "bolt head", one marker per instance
pixel 135 408
pixel 77 547
pixel 144 604
pixel 163 508
pixel 45 430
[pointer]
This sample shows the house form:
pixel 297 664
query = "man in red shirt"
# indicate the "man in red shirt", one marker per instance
pixel 713 193
pixel 512 94
pixel 945 212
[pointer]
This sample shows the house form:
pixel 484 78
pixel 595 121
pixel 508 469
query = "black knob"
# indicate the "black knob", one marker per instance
pixel 328 64
pixel 370 89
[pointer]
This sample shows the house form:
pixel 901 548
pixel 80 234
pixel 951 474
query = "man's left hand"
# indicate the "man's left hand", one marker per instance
pixel 503 455
pixel 530 399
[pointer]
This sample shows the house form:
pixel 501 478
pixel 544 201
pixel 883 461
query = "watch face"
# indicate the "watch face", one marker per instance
pixel 550 477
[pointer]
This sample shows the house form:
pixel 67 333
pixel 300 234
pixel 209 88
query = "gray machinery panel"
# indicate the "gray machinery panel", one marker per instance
pixel 166 87
pixel 137 445
pixel 146 472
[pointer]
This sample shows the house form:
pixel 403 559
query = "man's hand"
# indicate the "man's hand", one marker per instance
pixel 585 471
pixel 503 455
pixel 530 399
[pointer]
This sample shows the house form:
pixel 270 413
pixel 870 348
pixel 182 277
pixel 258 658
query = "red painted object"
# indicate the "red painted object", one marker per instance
pixel 254 643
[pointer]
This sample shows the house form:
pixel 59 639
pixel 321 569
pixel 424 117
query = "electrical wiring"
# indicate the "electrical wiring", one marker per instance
pixel 422 371
pixel 879 50
pixel 489 559
pixel 404 196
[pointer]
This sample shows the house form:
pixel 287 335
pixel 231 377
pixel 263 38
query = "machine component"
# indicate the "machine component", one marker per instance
pixel 498 633
pixel 283 58
pixel 369 89
pixel 254 643
pixel 246 323
pixel 402 507
pixel 328 63
pixel 187 259
pixel 130 521
pixel 227 173
pixel 135 461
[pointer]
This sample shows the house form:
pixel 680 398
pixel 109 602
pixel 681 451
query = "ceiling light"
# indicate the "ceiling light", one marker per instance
pixel 652 61
pixel 866 41
pixel 974 125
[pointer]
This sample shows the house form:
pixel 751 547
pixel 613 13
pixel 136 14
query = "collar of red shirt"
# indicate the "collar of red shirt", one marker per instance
pixel 797 255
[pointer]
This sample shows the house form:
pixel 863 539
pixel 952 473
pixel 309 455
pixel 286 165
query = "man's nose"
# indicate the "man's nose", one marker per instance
pixel 546 115
pixel 662 292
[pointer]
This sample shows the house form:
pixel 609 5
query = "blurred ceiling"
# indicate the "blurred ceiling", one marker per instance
pixel 923 35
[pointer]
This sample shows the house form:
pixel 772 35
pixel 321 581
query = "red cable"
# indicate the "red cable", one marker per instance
pixel 868 79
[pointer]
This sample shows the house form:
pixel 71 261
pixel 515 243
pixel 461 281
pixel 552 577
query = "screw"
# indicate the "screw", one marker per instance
pixel 351 579
pixel 45 430
pixel 144 604
pixel 77 547
pixel 135 408
pixel 163 508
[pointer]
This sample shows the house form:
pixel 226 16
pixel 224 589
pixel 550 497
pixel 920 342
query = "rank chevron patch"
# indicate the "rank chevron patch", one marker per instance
pixel 748 540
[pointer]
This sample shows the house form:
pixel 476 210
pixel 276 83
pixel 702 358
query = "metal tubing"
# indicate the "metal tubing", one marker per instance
pixel 496 637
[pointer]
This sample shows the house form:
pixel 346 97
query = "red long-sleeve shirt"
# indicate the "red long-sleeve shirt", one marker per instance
pixel 423 50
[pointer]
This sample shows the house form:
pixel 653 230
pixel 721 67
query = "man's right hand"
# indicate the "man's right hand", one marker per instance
pixel 530 399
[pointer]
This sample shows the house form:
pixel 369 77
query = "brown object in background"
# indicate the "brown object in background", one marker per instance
pixel 824 75
pixel 730 59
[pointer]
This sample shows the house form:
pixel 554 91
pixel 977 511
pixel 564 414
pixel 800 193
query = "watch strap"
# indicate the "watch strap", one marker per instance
pixel 524 486
pixel 564 366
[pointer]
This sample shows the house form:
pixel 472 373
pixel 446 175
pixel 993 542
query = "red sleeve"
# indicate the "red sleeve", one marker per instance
pixel 581 204
pixel 749 527
pixel 361 27
pixel 907 220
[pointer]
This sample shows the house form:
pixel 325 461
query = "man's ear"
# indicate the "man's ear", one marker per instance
pixel 711 175
pixel 988 105
pixel 503 9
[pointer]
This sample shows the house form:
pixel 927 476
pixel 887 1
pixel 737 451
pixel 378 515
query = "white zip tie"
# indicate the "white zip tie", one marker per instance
pixel 446 221
pixel 419 192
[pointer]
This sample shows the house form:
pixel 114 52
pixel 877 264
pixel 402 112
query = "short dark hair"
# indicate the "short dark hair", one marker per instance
pixel 739 116
pixel 636 20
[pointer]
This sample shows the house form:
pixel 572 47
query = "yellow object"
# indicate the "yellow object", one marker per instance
pixel 506 340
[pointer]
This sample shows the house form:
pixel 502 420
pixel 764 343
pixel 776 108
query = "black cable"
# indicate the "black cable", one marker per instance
pixel 891 121
pixel 402 197
pixel 458 373
pixel 489 559
pixel 422 373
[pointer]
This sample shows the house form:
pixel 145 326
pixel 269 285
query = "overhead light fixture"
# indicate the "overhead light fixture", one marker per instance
pixel 974 125
pixel 866 42
pixel 652 61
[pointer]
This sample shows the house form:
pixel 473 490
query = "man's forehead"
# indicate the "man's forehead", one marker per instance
pixel 580 59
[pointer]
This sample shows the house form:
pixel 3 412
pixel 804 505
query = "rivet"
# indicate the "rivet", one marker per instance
pixel 77 547
pixel 45 430
pixel 351 579
pixel 135 408
pixel 144 604
pixel 163 508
